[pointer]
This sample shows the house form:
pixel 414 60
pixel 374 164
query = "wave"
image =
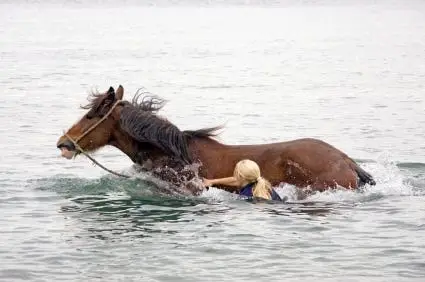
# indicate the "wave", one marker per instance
pixel 88 191
pixel 412 165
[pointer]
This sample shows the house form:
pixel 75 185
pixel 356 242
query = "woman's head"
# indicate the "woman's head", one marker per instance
pixel 247 171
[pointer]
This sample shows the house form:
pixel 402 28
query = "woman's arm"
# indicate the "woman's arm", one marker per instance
pixel 227 181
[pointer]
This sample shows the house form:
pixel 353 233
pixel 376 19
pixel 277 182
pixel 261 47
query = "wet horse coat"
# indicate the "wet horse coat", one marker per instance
pixel 160 147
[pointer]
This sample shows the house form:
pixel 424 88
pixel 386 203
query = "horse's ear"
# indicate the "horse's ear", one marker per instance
pixel 110 96
pixel 120 92
pixel 111 90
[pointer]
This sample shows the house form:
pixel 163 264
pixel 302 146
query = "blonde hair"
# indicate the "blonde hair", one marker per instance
pixel 248 171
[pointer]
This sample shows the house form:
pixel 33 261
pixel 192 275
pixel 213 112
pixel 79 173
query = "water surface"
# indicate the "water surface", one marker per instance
pixel 349 73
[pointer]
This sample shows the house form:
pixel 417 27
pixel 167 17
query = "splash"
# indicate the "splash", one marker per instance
pixel 393 179
pixel 185 181
pixel 390 181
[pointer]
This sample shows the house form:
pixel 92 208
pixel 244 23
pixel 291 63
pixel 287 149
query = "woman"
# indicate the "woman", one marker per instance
pixel 247 176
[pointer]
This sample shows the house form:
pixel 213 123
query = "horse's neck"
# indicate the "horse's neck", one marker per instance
pixel 144 154
pixel 125 144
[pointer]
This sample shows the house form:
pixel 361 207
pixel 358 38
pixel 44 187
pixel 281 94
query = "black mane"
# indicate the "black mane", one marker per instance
pixel 140 121
pixel 149 102
pixel 95 99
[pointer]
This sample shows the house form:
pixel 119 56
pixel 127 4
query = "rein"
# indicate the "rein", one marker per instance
pixel 75 142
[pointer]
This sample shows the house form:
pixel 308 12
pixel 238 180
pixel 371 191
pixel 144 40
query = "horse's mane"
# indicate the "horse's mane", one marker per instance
pixel 95 99
pixel 140 120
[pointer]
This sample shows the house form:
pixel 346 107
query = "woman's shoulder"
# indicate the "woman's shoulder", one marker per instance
pixel 246 190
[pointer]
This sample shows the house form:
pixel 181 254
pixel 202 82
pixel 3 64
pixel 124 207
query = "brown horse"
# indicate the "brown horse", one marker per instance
pixel 160 147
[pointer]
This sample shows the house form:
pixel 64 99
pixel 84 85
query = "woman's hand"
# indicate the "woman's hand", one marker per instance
pixel 227 181
pixel 207 182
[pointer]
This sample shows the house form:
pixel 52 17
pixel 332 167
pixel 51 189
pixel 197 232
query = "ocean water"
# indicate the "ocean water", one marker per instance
pixel 351 73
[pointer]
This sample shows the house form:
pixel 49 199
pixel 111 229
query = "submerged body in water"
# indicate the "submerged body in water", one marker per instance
pixel 246 193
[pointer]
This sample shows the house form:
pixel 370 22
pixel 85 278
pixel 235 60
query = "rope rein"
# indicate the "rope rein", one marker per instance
pixel 75 142
pixel 94 160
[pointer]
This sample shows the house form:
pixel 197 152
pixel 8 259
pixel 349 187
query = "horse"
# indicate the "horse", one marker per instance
pixel 158 146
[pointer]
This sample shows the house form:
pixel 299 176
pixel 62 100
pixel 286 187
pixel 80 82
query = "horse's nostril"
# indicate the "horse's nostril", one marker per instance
pixel 68 145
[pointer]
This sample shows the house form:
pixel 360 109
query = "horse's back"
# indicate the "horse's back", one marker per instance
pixel 310 161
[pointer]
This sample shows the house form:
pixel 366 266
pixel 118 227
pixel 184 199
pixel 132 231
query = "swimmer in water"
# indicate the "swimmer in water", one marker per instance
pixel 248 181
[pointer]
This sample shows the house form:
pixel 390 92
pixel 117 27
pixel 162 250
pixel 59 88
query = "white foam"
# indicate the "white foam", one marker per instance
pixel 216 194
pixel 390 181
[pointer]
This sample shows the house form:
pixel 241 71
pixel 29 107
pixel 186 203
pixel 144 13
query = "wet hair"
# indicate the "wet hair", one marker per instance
pixel 140 120
pixel 249 172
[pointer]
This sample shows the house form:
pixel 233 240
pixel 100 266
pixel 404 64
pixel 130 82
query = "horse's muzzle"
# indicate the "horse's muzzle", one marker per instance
pixel 66 144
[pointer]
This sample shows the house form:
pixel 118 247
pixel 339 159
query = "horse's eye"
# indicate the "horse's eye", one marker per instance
pixel 91 114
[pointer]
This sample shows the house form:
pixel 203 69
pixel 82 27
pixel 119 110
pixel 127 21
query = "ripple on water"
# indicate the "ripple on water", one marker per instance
pixel 111 221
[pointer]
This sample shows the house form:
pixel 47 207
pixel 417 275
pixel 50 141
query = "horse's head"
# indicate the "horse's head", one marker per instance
pixel 94 129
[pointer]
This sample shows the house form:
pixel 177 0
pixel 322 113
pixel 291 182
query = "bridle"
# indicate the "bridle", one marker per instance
pixel 94 125
pixel 90 129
